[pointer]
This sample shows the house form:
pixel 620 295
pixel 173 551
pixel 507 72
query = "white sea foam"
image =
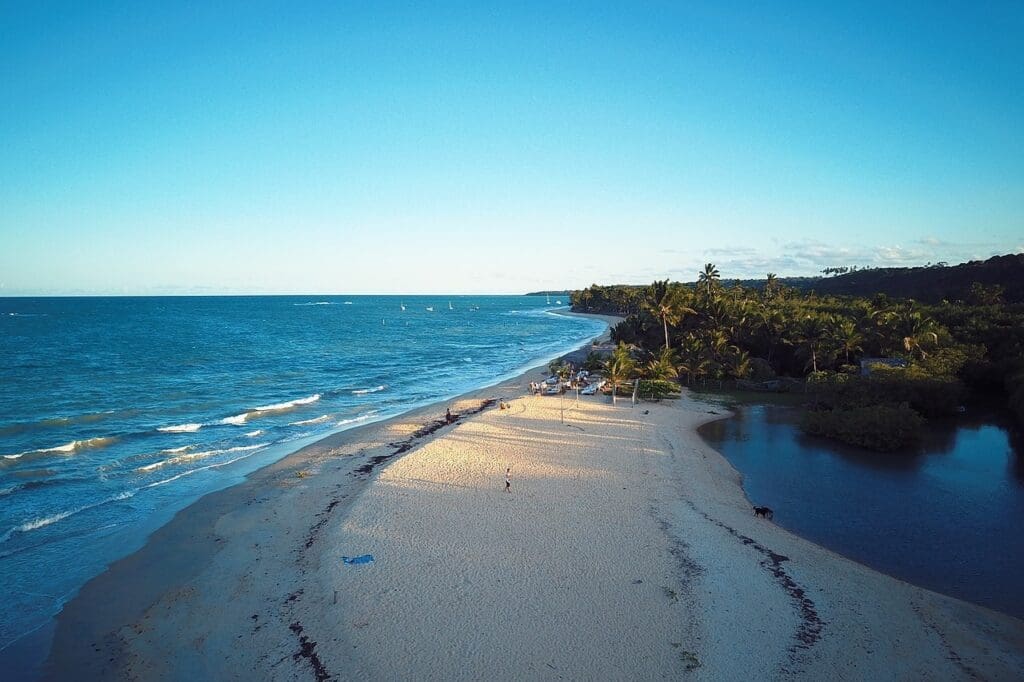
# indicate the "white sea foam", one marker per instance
pixel 315 420
pixel 253 434
pixel 44 521
pixel 237 420
pixel 181 428
pixel 68 448
pixel 193 471
pixel 353 420
pixel 364 391
pixel 203 454
pixel 318 303
pixel 288 405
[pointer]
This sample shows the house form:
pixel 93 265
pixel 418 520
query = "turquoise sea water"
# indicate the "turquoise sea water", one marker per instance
pixel 118 411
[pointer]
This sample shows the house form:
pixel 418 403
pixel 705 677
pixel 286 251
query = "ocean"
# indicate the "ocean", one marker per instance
pixel 117 412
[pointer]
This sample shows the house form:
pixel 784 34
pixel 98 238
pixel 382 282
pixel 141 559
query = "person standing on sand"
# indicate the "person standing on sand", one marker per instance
pixel 508 479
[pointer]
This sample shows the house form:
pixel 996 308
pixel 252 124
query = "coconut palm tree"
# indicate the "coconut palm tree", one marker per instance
pixel 771 327
pixel 663 300
pixel 848 338
pixel 906 328
pixel 812 334
pixel 619 368
pixel 690 363
pixel 709 278
pixel 771 284
pixel 663 367
pixel 919 331
pixel 737 364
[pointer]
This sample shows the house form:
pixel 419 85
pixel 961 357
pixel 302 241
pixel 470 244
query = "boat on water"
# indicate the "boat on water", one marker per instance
pixel 402 306
pixel 430 308
pixel 450 306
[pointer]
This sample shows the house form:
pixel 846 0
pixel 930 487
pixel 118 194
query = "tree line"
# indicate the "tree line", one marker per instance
pixel 708 332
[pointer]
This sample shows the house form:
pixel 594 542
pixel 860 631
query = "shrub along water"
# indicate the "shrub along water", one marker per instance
pixel 877 427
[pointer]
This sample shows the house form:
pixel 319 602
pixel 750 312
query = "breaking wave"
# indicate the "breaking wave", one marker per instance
pixel 181 428
pixel 66 449
pixel 203 454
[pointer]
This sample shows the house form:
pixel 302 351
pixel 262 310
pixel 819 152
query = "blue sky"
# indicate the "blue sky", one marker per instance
pixel 350 148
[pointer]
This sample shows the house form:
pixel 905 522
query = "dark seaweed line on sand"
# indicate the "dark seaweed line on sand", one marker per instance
pixel 952 653
pixel 307 647
pixel 403 446
pixel 811 624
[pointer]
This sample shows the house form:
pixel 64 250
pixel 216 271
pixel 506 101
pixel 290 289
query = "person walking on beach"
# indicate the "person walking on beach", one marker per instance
pixel 508 479
pixel 448 415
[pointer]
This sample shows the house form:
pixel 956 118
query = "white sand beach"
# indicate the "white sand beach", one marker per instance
pixel 625 549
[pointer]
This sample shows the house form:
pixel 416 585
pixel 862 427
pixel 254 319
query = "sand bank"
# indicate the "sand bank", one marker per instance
pixel 625 549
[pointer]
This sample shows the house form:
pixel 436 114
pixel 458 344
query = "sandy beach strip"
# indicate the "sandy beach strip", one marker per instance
pixel 625 549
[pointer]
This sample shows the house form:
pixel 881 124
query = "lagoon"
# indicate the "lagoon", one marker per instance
pixel 945 517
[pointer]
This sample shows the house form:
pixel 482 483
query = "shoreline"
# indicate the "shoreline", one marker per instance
pixel 253 573
pixel 170 548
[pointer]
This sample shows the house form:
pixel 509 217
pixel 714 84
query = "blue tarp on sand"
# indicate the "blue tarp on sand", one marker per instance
pixel 364 559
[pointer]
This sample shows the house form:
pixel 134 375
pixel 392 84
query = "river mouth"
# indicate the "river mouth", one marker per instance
pixel 945 517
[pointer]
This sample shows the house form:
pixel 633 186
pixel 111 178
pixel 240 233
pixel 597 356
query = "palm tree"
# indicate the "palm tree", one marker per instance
pixel 662 300
pixel 690 364
pixel 709 278
pixel 848 337
pixel 909 329
pixel 771 326
pixel 619 367
pixel 770 285
pixel 812 334
pixel 917 331
pixel 737 364
pixel 663 367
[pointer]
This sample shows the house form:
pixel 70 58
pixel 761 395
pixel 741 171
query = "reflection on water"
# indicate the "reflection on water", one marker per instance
pixel 947 517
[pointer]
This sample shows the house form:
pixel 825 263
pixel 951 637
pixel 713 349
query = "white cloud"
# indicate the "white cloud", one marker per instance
pixel 806 257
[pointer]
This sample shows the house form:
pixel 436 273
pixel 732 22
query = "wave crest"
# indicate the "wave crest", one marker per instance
pixel 203 454
pixel 181 428
pixel 66 449
pixel 364 391
pixel 277 407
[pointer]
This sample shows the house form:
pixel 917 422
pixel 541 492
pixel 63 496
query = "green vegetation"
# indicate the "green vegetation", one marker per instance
pixel 880 427
pixel 771 336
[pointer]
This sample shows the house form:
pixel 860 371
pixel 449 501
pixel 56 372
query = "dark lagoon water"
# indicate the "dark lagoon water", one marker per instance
pixel 947 517
pixel 116 412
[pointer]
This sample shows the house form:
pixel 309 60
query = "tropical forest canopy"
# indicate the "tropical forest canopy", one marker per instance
pixel 938 354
